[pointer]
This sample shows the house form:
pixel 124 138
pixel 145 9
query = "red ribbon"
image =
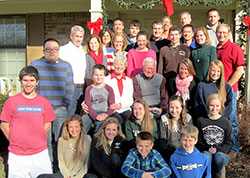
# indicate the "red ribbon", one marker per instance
pixel 246 20
pixel 168 6
pixel 96 26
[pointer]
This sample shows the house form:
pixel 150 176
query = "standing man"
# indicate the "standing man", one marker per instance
pixel 187 36
pixel 185 18
pixel 170 56
pixel 118 25
pixel 157 41
pixel 232 57
pixel 213 22
pixel 26 118
pixel 56 84
pixel 134 28
pixel 73 53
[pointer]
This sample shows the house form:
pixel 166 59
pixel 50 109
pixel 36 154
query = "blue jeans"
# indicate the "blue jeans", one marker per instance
pixel 218 160
pixel 87 121
pixel 73 102
pixel 235 125
pixel 61 116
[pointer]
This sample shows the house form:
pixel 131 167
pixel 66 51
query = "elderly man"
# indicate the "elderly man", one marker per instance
pixel 56 84
pixel 157 41
pixel 185 18
pixel 150 86
pixel 73 53
pixel 232 57
pixel 213 16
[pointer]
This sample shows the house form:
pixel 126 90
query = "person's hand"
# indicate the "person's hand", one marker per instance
pixel 68 177
pixel 212 150
pixel 101 117
pixel 118 106
pixel 156 111
pixel 85 108
pixel 147 175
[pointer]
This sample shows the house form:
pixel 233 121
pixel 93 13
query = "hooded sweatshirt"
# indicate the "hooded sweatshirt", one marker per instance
pixel 186 165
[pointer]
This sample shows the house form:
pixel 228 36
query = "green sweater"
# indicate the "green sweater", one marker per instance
pixel 65 158
pixel 201 58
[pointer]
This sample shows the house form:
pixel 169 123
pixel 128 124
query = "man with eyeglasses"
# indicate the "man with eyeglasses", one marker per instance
pixel 73 53
pixel 56 84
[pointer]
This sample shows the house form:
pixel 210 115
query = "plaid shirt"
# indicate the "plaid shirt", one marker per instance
pixel 134 165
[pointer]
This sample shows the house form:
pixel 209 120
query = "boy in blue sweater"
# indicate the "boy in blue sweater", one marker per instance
pixel 143 161
pixel 187 161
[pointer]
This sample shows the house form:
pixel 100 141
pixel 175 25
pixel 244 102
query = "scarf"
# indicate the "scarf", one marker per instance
pixel 182 86
pixel 98 58
pixel 119 82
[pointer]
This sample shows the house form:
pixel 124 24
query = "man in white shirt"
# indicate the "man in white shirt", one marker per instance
pixel 73 53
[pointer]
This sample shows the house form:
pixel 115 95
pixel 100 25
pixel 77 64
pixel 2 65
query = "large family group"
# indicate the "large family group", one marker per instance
pixel 160 105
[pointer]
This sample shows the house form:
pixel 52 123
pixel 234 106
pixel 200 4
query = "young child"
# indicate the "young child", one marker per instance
pixel 98 98
pixel 215 134
pixel 143 161
pixel 187 161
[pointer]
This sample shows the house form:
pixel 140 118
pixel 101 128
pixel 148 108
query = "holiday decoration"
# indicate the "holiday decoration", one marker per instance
pixel 96 26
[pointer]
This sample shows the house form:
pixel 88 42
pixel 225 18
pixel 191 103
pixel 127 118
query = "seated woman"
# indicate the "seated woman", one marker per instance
pixel 203 54
pixel 120 43
pixel 184 84
pixel 136 56
pixel 140 120
pixel 170 126
pixel 106 149
pixel 95 54
pixel 106 36
pixel 122 87
pixel 215 84
pixel 215 134
pixel 73 150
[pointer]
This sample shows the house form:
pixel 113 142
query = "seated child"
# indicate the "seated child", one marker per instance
pixel 98 97
pixel 143 161
pixel 215 134
pixel 187 161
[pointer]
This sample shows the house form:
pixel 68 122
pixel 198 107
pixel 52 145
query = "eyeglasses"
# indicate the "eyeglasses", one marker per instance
pixel 51 50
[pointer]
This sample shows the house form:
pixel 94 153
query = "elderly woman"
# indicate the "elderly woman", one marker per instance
pixel 122 86
pixel 119 43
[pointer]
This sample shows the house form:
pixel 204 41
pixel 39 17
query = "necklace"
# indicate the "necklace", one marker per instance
pixel 72 149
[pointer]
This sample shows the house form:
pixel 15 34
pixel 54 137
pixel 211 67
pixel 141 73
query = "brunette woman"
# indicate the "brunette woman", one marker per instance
pixel 106 36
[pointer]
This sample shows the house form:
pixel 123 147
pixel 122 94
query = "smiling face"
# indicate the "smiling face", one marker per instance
pixel 188 33
pixel 74 128
pixel 111 131
pixel 144 147
pixel 94 45
pixel 166 24
pixel 149 69
pixel 175 109
pixel 157 30
pixel 222 34
pixel 213 18
pixel 119 67
pixel 77 38
pixel 175 37
pixel 118 26
pixel 29 83
pixel 133 30
pixel 188 143
pixel 138 111
pixel 200 37
pixel 98 76
pixel 106 38
pixel 215 73
pixel 183 71
pixel 214 107
pixel 118 43
pixel 185 19
pixel 142 41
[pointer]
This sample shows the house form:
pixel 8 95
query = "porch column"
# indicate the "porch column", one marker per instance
pixel 95 10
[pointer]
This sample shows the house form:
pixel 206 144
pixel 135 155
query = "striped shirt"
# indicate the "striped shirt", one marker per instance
pixel 56 81
pixel 134 165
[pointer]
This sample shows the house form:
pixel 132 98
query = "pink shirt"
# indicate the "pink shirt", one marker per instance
pixel 135 60
pixel 27 118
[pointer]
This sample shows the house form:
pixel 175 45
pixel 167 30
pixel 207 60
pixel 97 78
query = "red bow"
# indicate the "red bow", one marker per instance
pixel 246 20
pixel 168 6
pixel 96 26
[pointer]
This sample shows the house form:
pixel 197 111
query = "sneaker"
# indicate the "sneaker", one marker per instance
pixel 232 155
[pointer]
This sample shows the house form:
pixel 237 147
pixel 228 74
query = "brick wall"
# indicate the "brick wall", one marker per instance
pixel 58 25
